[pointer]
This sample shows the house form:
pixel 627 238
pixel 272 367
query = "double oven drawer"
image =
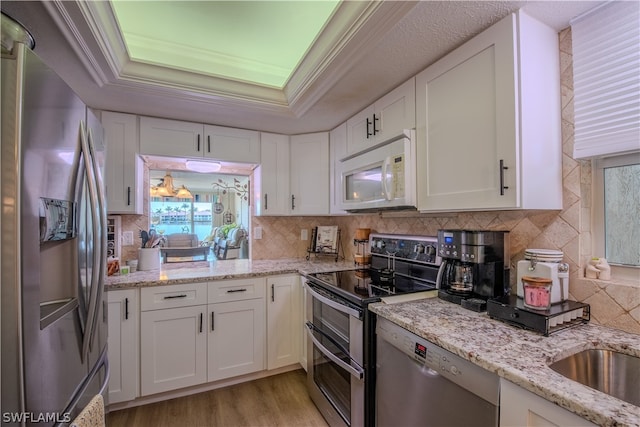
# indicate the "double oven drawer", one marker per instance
pixel 335 365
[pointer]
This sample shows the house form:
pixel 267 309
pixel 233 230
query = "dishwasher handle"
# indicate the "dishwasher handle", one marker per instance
pixel 355 371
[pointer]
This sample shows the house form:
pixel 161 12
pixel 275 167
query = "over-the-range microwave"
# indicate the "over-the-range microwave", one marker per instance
pixel 383 177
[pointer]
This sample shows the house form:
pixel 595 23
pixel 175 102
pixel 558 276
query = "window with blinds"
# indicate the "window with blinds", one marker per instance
pixel 606 68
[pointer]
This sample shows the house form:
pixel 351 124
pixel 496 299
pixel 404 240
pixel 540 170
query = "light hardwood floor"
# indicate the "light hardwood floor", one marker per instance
pixel 279 400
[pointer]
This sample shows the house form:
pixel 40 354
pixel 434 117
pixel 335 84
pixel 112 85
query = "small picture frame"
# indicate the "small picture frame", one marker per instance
pixel 327 239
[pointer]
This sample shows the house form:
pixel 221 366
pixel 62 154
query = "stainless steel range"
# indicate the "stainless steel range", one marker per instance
pixel 341 346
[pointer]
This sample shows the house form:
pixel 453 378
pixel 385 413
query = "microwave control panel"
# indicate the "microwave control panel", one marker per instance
pixel 397 173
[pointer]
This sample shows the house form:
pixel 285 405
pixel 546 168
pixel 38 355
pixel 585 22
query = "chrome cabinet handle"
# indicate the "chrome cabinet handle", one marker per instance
pixel 126 309
pixel 198 139
pixel 265 201
pixel 128 196
pixel 502 169
pixel 201 316
pixel 231 291
pixel 369 124
pixel 375 119
pixel 293 202
pixel 213 328
pixel 208 143
pixel 175 296
pixel 273 296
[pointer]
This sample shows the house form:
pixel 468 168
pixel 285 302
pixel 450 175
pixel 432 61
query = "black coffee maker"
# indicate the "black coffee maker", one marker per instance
pixel 475 266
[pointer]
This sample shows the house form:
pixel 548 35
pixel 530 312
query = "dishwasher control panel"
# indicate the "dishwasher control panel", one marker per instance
pixel 451 366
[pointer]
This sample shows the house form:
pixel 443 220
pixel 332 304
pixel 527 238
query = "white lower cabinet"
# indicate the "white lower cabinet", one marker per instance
pixel 123 344
pixel 520 407
pixel 173 337
pixel 237 331
pixel 173 348
pixel 283 321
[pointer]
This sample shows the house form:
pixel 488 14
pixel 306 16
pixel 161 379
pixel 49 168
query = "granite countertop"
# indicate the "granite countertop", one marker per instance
pixel 521 356
pixel 205 271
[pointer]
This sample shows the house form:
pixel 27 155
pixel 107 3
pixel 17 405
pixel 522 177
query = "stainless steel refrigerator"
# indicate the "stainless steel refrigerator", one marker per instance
pixel 53 224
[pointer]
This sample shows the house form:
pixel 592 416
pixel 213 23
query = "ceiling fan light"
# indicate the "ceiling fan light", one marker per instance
pixel 203 167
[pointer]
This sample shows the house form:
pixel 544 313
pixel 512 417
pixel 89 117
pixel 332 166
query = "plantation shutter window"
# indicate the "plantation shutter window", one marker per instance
pixel 606 68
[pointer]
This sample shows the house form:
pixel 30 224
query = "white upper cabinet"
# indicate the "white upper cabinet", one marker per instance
pixel 174 138
pixel 309 179
pixel 232 145
pixel 488 122
pixel 123 168
pixel 162 137
pixel 271 178
pixel 383 120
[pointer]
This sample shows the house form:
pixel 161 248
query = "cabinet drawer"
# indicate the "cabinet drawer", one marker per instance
pixel 236 290
pixel 172 296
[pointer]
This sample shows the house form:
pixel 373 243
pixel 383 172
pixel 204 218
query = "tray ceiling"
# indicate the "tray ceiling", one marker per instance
pixel 363 50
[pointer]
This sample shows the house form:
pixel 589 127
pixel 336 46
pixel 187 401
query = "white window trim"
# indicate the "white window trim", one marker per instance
pixel 618 272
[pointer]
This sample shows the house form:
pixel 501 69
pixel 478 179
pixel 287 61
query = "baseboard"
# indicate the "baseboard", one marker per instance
pixel 200 388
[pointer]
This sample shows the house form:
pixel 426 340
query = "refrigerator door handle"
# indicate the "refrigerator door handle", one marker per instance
pixel 103 360
pixel 99 256
pixel 93 202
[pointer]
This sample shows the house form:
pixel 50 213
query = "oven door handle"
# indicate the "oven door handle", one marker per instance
pixel 355 371
pixel 333 304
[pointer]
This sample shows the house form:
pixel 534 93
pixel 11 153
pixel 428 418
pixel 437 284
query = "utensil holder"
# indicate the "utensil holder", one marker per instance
pixel 148 259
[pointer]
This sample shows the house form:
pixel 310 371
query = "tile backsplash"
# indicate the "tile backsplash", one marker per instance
pixel 612 304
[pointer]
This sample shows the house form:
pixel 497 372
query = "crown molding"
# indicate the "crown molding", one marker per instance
pixel 354 28
pixel 92 30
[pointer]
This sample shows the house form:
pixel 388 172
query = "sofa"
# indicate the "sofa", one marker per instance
pixel 183 245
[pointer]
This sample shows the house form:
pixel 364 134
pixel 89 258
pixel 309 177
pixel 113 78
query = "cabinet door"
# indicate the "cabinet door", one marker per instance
pixel 237 341
pixel 123 169
pixel 232 145
pixel 303 320
pixel 271 184
pixel 520 407
pixel 123 345
pixel 337 151
pixel 173 348
pixel 360 135
pixel 174 138
pixel 466 125
pixel 395 112
pixel 309 174
pixel 283 321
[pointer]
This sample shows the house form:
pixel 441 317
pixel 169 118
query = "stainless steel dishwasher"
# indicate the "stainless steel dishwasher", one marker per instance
pixel 421 384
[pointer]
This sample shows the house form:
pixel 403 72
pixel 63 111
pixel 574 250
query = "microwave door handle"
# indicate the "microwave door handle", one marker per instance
pixel 385 183
pixel 354 371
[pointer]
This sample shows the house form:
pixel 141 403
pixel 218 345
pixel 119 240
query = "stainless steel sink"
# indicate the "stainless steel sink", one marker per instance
pixel 610 372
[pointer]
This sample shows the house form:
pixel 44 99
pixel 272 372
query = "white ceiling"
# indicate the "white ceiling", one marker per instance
pixel 365 51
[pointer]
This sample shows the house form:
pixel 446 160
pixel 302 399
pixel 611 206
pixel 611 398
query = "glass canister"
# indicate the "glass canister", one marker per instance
pixel 537 292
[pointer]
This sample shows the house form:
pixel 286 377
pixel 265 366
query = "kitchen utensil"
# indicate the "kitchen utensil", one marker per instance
pixel 145 237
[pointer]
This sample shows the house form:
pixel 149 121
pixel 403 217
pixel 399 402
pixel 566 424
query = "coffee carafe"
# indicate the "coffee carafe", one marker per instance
pixel 475 266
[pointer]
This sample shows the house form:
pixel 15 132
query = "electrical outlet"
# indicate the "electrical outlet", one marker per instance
pixel 127 238
pixel 257 233
pixel 304 234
